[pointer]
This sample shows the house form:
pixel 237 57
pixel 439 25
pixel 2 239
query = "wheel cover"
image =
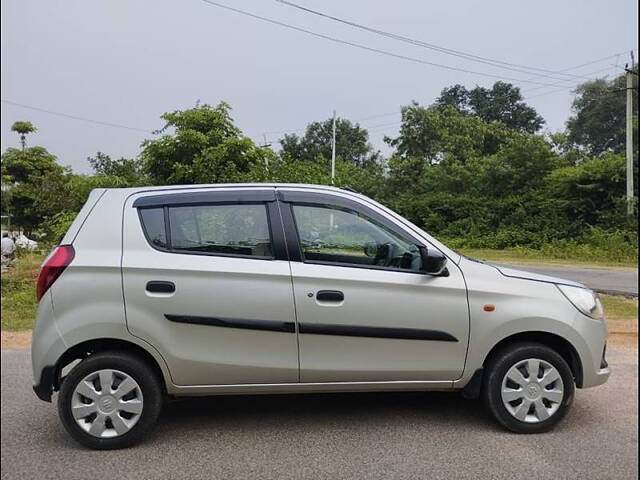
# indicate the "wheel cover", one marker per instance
pixel 532 390
pixel 107 403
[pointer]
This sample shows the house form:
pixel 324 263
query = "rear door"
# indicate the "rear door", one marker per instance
pixel 365 310
pixel 207 283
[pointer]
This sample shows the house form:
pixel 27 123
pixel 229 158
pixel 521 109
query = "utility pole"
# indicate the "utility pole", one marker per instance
pixel 333 151
pixel 265 145
pixel 630 73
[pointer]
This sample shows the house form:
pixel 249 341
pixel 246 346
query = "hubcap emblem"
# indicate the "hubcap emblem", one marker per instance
pixel 107 404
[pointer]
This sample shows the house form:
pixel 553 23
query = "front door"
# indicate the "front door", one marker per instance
pixel 365 311
pixel 207 283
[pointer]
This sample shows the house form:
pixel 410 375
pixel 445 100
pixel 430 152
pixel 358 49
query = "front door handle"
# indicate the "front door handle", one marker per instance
pixel 157 286
pixel 330 296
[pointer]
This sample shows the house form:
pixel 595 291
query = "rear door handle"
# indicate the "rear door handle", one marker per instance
pixel 157 286
pixel 330 296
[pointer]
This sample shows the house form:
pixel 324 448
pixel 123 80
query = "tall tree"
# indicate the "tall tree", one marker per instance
pixel 598 120
pixel 23 128
pixel 438 134
pixel 205 147
pixel 352 143
pixel 501 103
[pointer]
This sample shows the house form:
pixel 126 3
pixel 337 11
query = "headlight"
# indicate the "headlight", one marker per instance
pixel 584 300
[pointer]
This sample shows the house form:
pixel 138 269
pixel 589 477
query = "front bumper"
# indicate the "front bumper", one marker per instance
pixel 598 378
pixel 589 337
pixel 602 374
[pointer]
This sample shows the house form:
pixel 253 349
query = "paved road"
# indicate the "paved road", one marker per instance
pixel 620 281
pixel 372 436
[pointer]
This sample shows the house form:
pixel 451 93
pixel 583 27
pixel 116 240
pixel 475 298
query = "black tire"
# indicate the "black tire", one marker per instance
pixel 133 366
pixel 498 367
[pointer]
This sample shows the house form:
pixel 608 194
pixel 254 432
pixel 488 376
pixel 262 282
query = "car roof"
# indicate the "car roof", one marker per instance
pixel 232 185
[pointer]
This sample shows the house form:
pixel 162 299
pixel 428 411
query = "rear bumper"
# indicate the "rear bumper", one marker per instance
pixel 47 347
pixel 45 385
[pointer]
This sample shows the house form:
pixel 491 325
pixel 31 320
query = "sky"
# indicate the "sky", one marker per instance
pixel 126 62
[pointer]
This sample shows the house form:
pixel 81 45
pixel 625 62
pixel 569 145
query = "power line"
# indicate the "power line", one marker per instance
pixel 380 128
pixel 447 51
pixel 367 48
pixel 590 77
pixel 576 67
pixel 74 117
pixel 380 115
pixel 397 112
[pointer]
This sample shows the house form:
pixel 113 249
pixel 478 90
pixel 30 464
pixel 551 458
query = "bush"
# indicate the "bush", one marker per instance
pixel 55 227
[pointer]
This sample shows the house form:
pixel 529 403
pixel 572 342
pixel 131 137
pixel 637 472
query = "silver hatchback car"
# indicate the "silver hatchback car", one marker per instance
pixel 161 292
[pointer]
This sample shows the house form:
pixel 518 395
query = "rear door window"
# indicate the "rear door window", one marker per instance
pixel 221 229
pixel 217 229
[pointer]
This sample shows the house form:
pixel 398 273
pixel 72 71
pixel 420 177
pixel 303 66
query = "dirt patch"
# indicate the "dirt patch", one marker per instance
pixel 623 332
pixel 16 339
pixel 622 326
pixel 623 341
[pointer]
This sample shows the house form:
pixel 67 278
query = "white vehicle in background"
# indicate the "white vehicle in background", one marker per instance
pixel 258 288
pixel 26 243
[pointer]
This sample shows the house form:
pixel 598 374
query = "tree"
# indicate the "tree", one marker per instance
pixel 520 165
pixel 352 143
pixel 502 103
pixel 445 134
pixel 599 115
pixel 593 191
pixel 23 128
pixel 206 147
pixel 128 169
pixel 25 171
pixel 22 166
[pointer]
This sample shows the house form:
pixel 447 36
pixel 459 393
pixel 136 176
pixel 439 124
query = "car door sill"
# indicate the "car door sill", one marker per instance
pixel 309 387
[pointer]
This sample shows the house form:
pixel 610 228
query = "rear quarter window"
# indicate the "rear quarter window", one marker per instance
pixel 153 224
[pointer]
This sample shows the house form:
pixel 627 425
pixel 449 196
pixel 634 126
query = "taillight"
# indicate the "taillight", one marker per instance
pixel 53 266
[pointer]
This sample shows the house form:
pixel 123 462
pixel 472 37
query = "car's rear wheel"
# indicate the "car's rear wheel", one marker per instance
pixel 110 400
pixel 528 387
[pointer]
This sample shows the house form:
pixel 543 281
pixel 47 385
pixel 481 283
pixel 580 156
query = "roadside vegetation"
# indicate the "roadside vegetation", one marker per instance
pixel 573 254
pixel 474 168
pixel 19 292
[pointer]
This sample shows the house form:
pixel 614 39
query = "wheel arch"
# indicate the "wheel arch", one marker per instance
pixel 84 349
pixel 554 341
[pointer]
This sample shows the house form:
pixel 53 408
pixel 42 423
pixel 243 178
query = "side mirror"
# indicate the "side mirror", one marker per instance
pixel 371 249
pixel 433 261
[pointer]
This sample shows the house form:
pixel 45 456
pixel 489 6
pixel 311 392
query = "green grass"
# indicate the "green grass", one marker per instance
pixel 619 307
pixel 19 293
pixel 530 256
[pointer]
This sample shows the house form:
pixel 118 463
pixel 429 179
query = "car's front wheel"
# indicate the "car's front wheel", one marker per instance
pixel 110 400
pixel 528 387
